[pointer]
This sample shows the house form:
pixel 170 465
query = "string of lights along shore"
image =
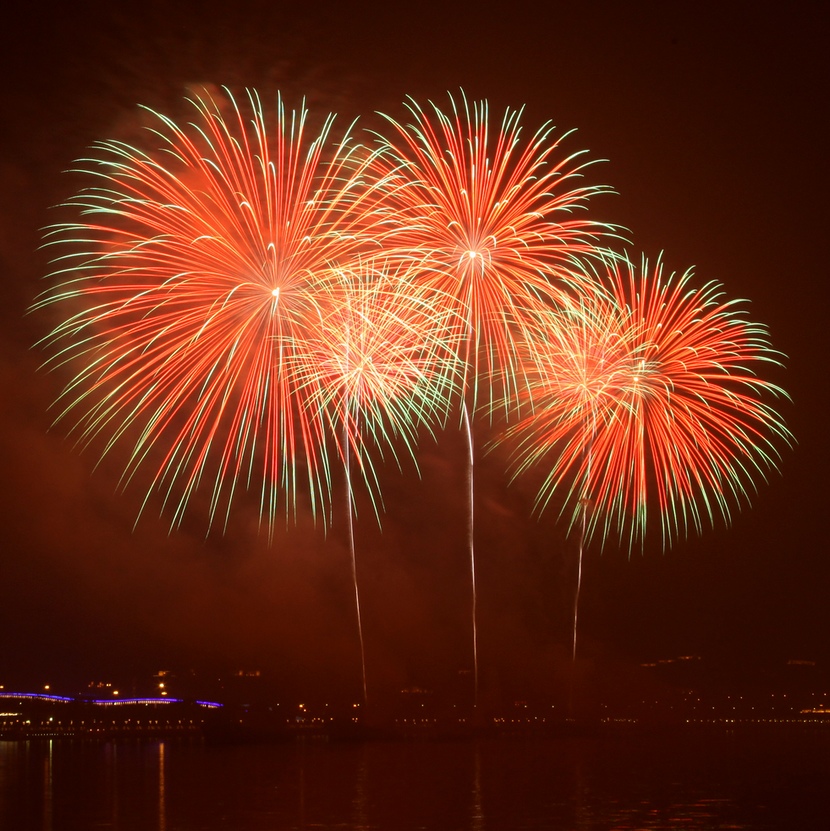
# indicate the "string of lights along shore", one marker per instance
pixel 244 307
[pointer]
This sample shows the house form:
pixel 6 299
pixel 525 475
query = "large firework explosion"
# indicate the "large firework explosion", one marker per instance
pixel 647 395
pixel 190 283
pixel 383 364
pixel 498 224
pixel 498 219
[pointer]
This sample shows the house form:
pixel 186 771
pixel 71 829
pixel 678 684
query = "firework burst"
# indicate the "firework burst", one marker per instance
pixel 646 399
pixel 494 218
pixel 489 218
pixel 188 285
pixel 386 367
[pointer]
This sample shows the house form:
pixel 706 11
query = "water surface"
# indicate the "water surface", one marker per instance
pixel 683 779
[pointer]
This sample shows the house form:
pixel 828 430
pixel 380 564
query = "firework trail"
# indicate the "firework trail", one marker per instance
pixel 386 368
pixel 187 284
pixel 491 218
pixel 648 395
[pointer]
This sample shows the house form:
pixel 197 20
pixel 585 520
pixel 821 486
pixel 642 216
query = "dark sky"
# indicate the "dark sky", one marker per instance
pixel 713 122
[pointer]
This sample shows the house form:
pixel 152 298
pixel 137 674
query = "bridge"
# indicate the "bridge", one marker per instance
pixel 25 715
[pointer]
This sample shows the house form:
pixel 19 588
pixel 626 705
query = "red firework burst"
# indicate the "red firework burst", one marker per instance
pixel 490 217
pixel 189 283
pixel 647 398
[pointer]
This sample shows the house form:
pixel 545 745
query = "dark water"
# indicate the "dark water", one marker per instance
pixel 692 779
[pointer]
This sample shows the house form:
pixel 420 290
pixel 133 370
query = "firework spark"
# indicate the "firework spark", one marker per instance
pixel 188 285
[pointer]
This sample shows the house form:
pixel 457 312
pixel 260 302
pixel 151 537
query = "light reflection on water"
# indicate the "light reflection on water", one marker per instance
pixel 162 816
pixel 683 780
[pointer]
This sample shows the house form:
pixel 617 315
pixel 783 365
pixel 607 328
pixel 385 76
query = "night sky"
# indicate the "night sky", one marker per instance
pixel 713 125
